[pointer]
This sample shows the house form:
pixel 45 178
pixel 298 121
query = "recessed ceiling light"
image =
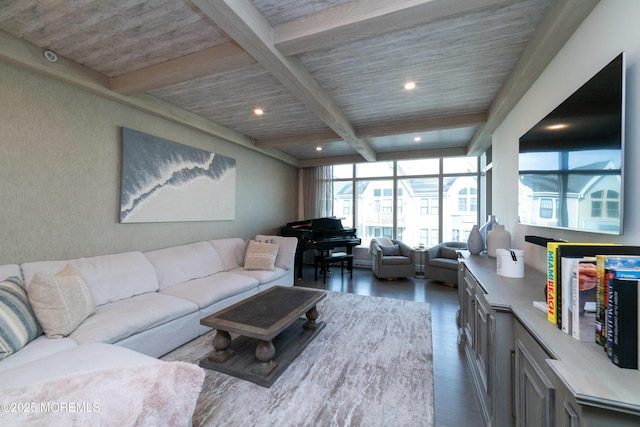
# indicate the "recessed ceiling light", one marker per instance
pixel 318 148
pixel 410 85
pixel 258 111
pixel 417 139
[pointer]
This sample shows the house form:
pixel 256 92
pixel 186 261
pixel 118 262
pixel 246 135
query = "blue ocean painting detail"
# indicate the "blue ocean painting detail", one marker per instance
pixel 164 181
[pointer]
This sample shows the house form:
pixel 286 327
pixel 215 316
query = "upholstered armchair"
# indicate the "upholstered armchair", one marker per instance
pixel 391 259
pixel 441 262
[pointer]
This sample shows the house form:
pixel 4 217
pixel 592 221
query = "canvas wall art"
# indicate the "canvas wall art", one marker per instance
pixel 164 181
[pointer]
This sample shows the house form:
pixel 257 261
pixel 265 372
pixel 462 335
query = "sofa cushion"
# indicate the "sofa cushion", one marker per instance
pixel 110 277
pixel 40 348
pixel 260 256
pixel 80 358
pixel 231 251
pixel 18 324
pixel 208 290
pixel 121 319
pixel 264 277
pixel 181 263
pixel 390 250
pixel 60 301
pixel 286 249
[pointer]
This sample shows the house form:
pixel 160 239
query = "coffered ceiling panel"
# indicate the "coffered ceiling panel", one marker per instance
pixel 230 99
pixel 327 73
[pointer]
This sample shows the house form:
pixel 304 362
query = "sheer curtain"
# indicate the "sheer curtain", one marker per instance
pixel 317 185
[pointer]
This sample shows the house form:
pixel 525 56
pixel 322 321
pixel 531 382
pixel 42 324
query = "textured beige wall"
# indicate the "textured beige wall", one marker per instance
pixel 60 176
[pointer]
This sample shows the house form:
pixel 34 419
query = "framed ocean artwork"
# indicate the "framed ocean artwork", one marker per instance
pixel 164 181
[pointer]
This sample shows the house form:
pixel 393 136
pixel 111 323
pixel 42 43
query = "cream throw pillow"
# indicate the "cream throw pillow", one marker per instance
pixel 61 301
pixel 260 256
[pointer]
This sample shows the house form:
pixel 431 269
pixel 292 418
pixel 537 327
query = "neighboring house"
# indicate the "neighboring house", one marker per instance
pixel 589 201
pixel 417 216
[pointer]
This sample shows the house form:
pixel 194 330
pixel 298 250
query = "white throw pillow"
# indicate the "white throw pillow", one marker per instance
pixel 260 256
pixel 60 301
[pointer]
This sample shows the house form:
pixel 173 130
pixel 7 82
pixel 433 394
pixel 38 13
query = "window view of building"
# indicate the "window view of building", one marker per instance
pixel 417 201
pixel 574 200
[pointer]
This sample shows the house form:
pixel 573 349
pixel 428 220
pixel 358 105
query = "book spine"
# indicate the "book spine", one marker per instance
pixel 610 328
pixel 575 302
pixel 552 296
pixel 625 320
pixel 567 286
pixel 583 301
pixel 601 313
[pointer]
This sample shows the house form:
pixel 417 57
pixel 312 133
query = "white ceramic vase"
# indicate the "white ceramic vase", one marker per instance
pixel 475 244
pixel 498 238
pixel 486 228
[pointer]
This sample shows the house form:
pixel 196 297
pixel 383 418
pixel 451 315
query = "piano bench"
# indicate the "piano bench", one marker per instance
pixel 323 262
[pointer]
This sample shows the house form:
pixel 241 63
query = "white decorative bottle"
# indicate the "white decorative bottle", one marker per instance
pixel 498 238
pixel 475 243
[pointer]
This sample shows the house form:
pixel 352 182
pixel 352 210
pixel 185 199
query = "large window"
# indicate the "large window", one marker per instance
pixel 417 201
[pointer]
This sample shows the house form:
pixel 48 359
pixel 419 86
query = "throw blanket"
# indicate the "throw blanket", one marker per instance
pixel 159 394
pixel 382 241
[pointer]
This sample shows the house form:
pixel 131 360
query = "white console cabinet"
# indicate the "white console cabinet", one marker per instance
pixel 526 371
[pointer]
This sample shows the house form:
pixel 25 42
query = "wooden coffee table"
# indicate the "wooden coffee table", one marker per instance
pixel 271 330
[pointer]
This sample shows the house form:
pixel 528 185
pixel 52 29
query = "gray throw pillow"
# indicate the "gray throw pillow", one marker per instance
pixel 447 252
pixel 390 250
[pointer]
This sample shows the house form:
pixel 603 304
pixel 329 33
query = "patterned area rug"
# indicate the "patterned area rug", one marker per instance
pixel 370 366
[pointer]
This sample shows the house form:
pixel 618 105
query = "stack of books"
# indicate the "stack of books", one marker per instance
pixel 592 294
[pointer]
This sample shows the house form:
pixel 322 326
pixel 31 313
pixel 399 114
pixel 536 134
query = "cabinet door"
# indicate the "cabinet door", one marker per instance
pixel 485 322
pixel 535 394
pixel 468 311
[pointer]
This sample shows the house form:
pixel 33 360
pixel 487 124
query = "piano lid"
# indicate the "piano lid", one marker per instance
pixel 325 223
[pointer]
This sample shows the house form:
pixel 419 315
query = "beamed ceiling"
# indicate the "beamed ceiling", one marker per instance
pixel 327 73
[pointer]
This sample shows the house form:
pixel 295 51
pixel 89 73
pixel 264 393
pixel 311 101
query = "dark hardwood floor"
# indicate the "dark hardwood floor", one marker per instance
pixel 456 403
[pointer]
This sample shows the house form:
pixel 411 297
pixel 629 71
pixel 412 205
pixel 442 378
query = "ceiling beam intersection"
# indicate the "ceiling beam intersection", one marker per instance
pixel 244 23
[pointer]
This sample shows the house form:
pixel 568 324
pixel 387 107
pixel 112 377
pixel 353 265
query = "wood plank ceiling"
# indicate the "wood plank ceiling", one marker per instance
pixel 327 73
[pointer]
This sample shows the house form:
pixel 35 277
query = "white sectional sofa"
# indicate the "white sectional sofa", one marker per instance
pixel 146 304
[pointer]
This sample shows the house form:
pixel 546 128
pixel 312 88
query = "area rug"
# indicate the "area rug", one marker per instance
pixel 371 366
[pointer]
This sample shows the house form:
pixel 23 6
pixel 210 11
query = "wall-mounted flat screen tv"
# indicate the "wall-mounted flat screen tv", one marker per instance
pixel 571 162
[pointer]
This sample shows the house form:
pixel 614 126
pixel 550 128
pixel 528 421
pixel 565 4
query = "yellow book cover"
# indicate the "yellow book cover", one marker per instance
pixel 553 282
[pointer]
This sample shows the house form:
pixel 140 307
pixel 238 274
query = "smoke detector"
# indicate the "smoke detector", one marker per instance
pixel 50 55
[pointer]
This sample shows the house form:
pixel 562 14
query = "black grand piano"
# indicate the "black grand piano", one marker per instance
pixel 320 234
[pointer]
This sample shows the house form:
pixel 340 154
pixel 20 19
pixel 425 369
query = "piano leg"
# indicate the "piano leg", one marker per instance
pixel 299 258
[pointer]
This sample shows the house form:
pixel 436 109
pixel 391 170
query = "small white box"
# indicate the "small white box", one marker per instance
pixel 510 262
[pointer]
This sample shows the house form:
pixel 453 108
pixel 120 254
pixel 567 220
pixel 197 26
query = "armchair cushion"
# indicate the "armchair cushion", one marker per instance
pixel 390 250
pixel 396 260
